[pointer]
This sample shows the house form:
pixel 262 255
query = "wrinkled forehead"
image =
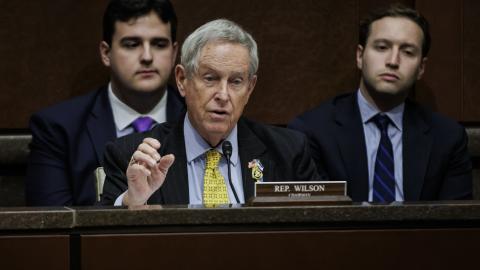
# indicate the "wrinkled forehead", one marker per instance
pixel 224 56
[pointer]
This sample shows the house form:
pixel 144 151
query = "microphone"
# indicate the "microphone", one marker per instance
pixel 227 151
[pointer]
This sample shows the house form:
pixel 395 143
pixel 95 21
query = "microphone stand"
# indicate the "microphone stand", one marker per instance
pixel 227 151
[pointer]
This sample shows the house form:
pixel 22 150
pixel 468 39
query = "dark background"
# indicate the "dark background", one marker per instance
pixel 49 52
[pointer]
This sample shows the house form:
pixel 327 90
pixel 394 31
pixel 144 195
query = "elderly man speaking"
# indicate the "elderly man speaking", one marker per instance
pixel 214 155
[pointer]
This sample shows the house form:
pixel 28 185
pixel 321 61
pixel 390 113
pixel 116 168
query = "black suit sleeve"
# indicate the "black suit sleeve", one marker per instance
pixel 306 168
pixel 458 177
pixel 311 147
pixel 47 180
pixel 115 166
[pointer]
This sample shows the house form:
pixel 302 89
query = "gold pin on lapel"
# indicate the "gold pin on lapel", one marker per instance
pixel 257 169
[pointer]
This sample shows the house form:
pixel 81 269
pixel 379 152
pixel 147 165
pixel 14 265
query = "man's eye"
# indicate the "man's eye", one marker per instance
pixel 209 78
pixel 380 47
pixel 130 44
pixel 160 44
pixel 237 81
pixel 409 52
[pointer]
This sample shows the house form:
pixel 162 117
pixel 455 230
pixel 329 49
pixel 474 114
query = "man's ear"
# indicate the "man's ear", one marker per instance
pixel 359 56
pixel 105 53
pixel 421 70
pixel 251 86
pixel 180 79
pixel 175 51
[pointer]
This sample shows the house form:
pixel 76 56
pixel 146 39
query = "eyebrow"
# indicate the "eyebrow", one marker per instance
pixel 136 38
pixel 403 45
pixel 209 68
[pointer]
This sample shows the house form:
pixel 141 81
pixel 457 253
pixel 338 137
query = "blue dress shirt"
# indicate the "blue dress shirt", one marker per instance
pixel 372 140
pixel 196 147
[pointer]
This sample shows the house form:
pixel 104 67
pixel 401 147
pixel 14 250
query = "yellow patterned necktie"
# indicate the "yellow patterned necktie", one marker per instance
pixel 214 188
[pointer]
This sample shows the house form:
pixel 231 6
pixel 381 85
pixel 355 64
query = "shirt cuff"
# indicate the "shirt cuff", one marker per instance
pixel 119 200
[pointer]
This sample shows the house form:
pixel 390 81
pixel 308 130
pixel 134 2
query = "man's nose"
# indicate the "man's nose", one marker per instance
pixel 393 60
pixel 146 56
pixel 222 91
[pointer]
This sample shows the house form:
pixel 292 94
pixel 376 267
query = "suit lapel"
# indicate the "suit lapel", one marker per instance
pixel 250 148
pixel 100 124
pixel 351 143
pixel 175 188
pixel 416 151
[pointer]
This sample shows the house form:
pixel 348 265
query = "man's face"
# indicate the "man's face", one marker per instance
pixel 392 59
pixel 217 93
pixel 141 55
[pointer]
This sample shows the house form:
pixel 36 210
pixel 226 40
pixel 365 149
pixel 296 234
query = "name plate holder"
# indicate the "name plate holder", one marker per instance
pixel 300 193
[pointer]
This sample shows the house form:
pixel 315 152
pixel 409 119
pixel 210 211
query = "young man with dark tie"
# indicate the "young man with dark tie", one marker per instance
pixel 386 146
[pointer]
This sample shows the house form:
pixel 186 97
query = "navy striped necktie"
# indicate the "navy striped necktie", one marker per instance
pixel 384 175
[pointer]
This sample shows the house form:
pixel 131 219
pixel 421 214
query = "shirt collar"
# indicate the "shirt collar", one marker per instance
pixel 196 146
pixel 368 111
pixel 123 115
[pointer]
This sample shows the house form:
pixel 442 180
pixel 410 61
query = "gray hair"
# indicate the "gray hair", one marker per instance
pixel 217 30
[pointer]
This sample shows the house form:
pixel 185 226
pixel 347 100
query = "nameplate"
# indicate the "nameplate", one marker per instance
pixel 300 189
pixel 300 193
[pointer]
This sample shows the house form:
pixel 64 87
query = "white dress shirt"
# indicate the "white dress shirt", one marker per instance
pixel 123 115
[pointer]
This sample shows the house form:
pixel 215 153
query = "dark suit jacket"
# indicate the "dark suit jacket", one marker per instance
pixel 284 154
pixel 436 164
pixel 68 141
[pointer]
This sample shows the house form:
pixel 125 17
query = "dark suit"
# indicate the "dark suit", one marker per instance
pixel 68 144
pixel 436 164
pixel 283 153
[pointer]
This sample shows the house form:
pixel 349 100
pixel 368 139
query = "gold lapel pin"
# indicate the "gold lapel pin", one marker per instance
pixel 257 169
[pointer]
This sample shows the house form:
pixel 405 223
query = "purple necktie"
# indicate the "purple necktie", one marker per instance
pixel 142 124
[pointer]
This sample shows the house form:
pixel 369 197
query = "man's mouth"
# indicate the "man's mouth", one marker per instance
pixel 147 71
pixel 389 77
pixel 218 113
